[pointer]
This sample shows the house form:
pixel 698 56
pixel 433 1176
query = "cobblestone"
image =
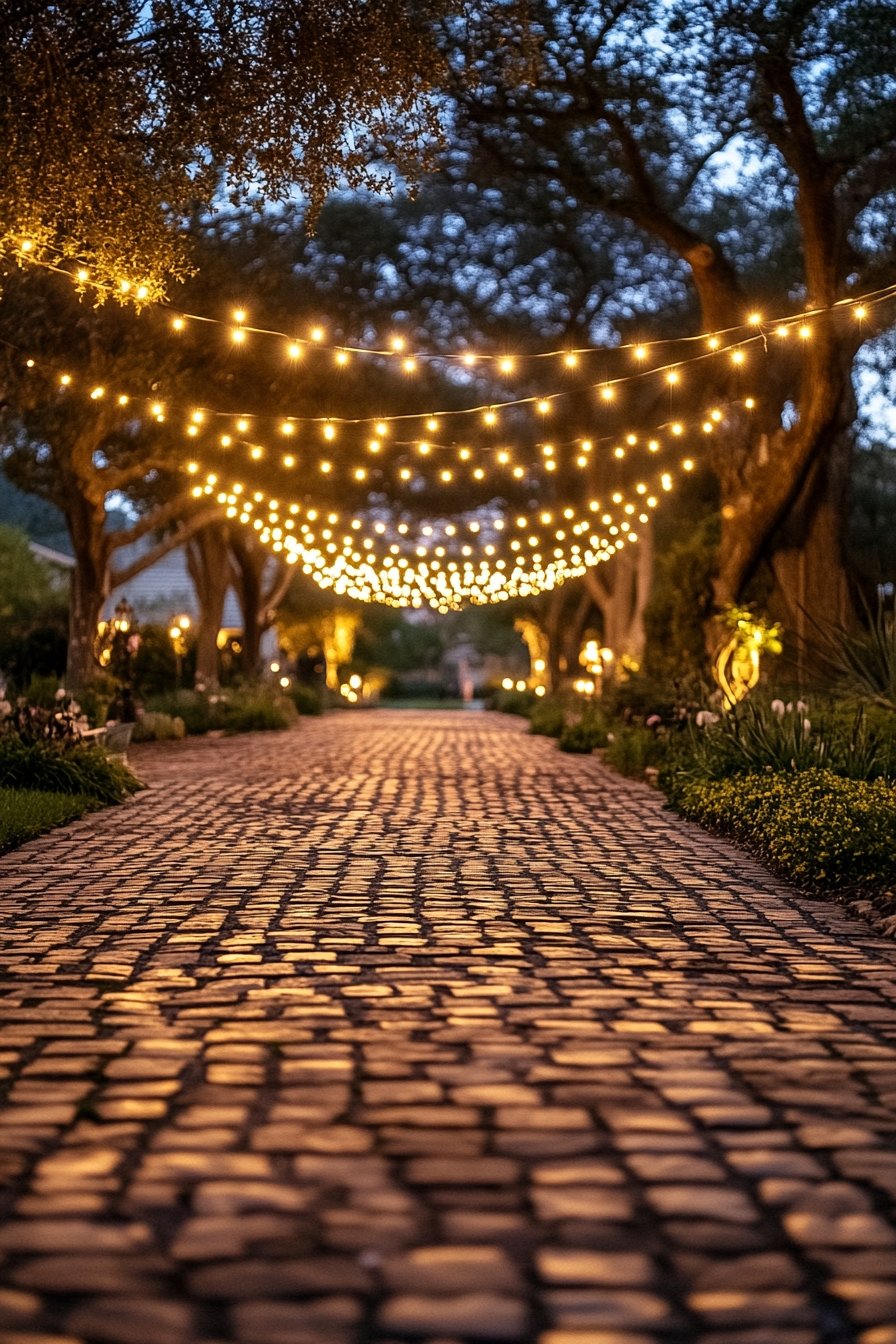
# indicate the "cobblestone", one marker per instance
pixel 406 1027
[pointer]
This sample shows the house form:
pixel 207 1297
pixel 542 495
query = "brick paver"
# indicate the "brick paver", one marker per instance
pixel 407 1027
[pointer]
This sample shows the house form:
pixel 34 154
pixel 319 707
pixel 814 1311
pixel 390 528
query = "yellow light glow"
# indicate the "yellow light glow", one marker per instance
pixel 329 432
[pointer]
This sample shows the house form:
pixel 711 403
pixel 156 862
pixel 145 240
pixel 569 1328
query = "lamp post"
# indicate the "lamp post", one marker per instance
pixel 177 633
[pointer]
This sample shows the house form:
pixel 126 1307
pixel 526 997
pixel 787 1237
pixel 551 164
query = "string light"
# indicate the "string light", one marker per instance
pixel 143 292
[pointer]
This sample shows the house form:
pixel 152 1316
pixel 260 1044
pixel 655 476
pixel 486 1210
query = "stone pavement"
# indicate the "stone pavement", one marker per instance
pixel 407 1027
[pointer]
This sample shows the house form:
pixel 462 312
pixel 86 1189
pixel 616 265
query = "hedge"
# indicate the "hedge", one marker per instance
pixel 826 834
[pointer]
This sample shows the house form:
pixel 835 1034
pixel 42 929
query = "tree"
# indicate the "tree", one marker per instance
pixel 70 440
pixel 32 611
pixel 750 150
pixel 118 118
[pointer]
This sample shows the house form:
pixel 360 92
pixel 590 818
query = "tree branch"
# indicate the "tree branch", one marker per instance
pixel 162 548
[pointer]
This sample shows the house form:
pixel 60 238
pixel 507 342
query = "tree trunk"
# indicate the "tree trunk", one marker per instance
pixel 620 590
pixel 208 561
pixel 90 587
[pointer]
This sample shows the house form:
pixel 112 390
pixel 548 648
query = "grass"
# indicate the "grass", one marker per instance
pixel 25 813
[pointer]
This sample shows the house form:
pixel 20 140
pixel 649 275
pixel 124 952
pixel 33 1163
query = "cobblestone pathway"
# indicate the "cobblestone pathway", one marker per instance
pixel 406 1027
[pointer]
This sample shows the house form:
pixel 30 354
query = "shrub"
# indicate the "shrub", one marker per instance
pixel 197 712
pixel 251 711
pixel 64 766
pixel 154 727
pixel 25 813
pixel 587 734
pixel 513 702
pixel 307 699
pixel 632 750
pixel 823 832
pixel 547 717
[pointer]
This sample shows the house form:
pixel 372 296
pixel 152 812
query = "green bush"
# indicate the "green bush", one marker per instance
pixel 513 702
pixel 252 711
pixel 587 734
pixel 823 832
pixel 154 727
pixel 198 712
pixel 547 717
pixel 71 767
pixel 632 750
pixel 25 813
pixel 243 710
pixel 307 699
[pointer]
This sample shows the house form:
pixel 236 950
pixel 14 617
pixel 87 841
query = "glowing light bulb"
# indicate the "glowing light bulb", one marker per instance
pixel 754 319
pixel 804 331
pixel 607 393
pixel 505 364
pixel 432 424
pixel 289 460
pixel 226 440
pixel 242 426
pixel 860 311
pixel 177 324
pixel 237 335
pixel 409 365
pixel 714 342
pixel 317 334
pixel 294 350
pixel 97 394
pixel 571 359
pixel 543 406
pixel 287 427
pixel 341 358
pixel 65 379
pixel 329 432
pixel 640 352
pixel 490 418
pixel 326 467
pixel 738 357
pixel 82 276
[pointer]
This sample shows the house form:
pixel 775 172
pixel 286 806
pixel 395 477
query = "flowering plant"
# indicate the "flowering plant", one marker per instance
pixel 65 722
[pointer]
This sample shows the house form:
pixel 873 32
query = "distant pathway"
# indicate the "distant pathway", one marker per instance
pixel 407 1027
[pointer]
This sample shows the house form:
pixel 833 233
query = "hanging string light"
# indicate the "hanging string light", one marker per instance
pixel 750 328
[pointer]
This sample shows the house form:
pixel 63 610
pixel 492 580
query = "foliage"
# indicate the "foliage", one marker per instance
pixel 872 538
pixel 863 661
pixel 632 750
pixel 757 736
pixel 307 699
pixel 154 665
pixel 32 610
pixel 821 831
pixel 240 710
pixel 25 813
pixel 52 765
pixel 513 702
pixel 155 727
pixel 681 598
pixel 255 709
pixel 198 712
pixel 547 717
pixel 585 734
pixel 170 107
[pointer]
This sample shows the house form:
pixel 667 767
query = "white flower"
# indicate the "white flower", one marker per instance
pixel 807 727
pixel 801 707
pixel 705 718
pixel 778 708
pixel 61 693
pixel 5 709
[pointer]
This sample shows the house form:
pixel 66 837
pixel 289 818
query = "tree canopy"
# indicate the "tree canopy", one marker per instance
pixel 118 119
